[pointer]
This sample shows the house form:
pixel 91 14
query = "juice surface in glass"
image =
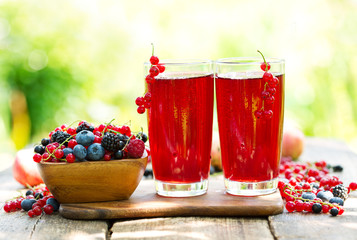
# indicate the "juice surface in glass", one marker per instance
pixel 180 127
pixel 250 147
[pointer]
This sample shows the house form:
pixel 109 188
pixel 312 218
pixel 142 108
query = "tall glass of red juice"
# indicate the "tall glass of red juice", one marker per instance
pixel 180 127
pixel 250 122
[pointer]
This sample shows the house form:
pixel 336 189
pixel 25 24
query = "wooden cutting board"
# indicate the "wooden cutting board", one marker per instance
pixel 146 203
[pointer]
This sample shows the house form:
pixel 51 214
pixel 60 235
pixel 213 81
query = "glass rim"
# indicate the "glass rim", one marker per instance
pixel 173 62
pixel 249 60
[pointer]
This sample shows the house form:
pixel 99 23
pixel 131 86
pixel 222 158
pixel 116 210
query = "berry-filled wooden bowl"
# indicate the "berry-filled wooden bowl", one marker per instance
pixel 93 181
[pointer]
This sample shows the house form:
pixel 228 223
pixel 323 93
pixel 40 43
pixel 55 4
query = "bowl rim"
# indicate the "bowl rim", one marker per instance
pixel 94 162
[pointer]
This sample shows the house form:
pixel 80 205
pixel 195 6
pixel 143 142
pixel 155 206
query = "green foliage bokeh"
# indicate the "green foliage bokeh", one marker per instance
pixel 83 59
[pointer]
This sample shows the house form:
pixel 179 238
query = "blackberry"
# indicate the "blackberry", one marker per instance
pixel 111 142
pixel 85 126
pixel 60 137
pixel 340 191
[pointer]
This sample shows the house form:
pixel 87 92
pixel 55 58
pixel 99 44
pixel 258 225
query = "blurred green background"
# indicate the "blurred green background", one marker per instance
pixel 70 60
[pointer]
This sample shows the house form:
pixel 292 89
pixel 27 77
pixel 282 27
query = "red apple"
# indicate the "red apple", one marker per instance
pixel 25 169
pixel 293 142
pixel 216 160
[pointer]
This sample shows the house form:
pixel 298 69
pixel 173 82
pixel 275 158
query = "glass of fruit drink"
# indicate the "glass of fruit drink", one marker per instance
pixel 180 126
pixel 250 105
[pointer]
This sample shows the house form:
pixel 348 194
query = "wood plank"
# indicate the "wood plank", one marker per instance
pixel 193 228
pixel 55 227
pixel 146 203
pixel 323 226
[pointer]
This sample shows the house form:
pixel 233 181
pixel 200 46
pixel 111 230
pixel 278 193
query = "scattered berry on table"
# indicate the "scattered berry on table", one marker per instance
pixel 334 211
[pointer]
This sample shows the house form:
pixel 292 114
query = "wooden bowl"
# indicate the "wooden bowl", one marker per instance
pixel 93 181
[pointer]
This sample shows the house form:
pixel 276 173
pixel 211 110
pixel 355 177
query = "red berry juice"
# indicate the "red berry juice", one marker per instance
pixel 250 147
pixel 180 128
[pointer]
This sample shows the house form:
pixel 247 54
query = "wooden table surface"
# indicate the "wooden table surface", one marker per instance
pixel 18 225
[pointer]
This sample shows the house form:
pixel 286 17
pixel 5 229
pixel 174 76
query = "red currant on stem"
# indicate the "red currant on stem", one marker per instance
pixel 70 158
pixel 141 109
pixel 154 71
pixel 139 101
pixel 37 157
pixel 149 79
pixel 161 68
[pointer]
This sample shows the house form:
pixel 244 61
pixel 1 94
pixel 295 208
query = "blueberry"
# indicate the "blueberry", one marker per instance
pixel 26 204
pixel 29 192
pixel 212 170
pixel 85 138
pixel 118 154
pixel 308 195
pixel 38 196
pixel 142 136
pixel 148 173
pixel 45 141
pixel 325 195
pixel 67 151
pixel 337 200
pixel 54 203
pixel 95 152
pixel 334 211
pixel 337 168
pixel 316 207
pixel 79 151
pixel 121 144
pixel 39 149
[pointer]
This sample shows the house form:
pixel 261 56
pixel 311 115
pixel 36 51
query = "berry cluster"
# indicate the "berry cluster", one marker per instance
pixel 156 68
pixel 267 95
pixel 89 143
pixel 309 187
pixel 35 201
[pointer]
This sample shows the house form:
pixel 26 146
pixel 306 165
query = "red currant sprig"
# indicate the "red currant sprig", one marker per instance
pixel 267 95
pixel 144 102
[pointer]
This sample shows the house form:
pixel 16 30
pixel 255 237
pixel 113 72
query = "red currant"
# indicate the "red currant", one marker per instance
pixel 306 186
pixel 72 143
pixel 270 100
pixel 154 71
pixel 353 186
pixel 141 110
pixel 271 90
pixel 325 208
pixel 147 97
pixel 101 127
pixel 45 157
pixel 126 130
pixel 97 139
pixel 274 82
pixel 107 157
pixel 299 206
pixel 267 77
pixel 147 105
pixel 37 157
pixel 265 66
pixel 258 114
pixel 37 211
pixel 139 101
pixel 64 126
pixel 70 158
pixel 154 60
pixel 268 114
pixel 31 213
pixel 149 79
pixel 48 209
pixel 51 148
pixel 7 207
pixel 290 206
pixel 161 68
pixel 71 131
pixel 59 153
pixel 265 94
